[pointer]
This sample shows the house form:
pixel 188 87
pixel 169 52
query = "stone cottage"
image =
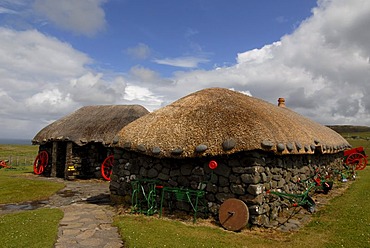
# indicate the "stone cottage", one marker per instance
pixel 258 147
pixel 79 142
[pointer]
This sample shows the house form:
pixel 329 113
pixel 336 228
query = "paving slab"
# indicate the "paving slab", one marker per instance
pixel 88 215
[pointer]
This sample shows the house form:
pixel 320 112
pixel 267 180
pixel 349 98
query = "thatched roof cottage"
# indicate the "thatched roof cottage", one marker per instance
pixel 81 139
pixel 257 145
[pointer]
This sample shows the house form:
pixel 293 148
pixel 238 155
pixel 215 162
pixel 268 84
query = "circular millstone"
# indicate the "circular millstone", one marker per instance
pixel 233 214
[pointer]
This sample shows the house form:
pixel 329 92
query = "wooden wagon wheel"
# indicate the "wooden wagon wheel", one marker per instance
pixel 41 162
pixel 357 159
pixel 106 167
pixel 233 214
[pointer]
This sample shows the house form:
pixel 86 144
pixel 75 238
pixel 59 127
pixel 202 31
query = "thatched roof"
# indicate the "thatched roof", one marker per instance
pixel 91 124
pixel 218 121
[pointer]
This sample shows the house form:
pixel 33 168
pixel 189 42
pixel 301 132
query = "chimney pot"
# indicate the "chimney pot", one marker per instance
pixel 281 102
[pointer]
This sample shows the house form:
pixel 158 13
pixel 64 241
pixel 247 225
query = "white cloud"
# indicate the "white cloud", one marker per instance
pixel 28 53
pixel 258 56
pixel 140 51
pixel 6 11
pixel 32 63
pixel 140 95
pixel 43 79
pixel 322 70
pixel 143 75
pixel 90 88
pixel 48 101
pixel 81 17
pixel 185 62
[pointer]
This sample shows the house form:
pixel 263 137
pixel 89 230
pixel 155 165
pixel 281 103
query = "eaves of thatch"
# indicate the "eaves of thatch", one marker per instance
pixel 90 124
pixel 219 121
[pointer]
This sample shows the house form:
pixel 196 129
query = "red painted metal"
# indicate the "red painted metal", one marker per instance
pixel 106 167
pixel 41 162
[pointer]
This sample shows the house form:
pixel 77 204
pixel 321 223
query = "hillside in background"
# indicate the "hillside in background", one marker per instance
pixel 7 141
pixel 349 129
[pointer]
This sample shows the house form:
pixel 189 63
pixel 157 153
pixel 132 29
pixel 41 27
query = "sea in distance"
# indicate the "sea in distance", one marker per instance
pixel 5 141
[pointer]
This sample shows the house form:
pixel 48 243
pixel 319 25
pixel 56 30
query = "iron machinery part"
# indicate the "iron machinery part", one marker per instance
pixel 310 205
pixel 41 162
pixel 233 214
pixel 106 167
pixel 357 159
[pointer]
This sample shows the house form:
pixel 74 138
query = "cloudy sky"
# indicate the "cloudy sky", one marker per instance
pixel 57 56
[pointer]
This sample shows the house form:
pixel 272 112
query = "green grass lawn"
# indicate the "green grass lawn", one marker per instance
pixel 18 150
pixel 30 229
pixel 362 139
pixel 36 228
pixel 17 186
pixel 18 154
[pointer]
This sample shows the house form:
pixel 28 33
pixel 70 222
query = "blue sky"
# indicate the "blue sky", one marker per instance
pixel 57 56
pixel 182 34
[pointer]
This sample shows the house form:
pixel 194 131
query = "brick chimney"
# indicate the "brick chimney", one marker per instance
pixel 281 102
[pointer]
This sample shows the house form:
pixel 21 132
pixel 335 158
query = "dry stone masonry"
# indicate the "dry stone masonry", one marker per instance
pixel 69 160
pixel 247 176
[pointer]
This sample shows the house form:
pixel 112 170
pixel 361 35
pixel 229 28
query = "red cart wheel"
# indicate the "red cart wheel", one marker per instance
pixel 357 159
pixel 41 162
pixel 106 167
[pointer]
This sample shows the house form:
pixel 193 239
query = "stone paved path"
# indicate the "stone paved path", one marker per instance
pixel 88 215
pixel 87 225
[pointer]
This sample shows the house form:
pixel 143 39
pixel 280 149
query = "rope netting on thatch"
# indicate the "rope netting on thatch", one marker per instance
pixel 219 121
pixel 91 124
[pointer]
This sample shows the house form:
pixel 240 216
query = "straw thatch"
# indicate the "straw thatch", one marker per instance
pixel 91 124
pixel 218 121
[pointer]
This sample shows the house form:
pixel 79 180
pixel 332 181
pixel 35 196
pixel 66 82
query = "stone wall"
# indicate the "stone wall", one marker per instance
pixel 247 176
pixel 87 159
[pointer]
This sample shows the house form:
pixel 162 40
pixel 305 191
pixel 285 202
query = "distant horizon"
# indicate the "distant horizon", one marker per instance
pixel 9 141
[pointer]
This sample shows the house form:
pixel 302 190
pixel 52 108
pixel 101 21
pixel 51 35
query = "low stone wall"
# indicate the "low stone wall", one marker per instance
pixel 246 176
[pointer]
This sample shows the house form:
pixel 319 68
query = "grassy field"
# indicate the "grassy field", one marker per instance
pixel 16 187
pixel 18 154
pixel 359 139
pixel 36 228
pixel 30 229
pixel 18 150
